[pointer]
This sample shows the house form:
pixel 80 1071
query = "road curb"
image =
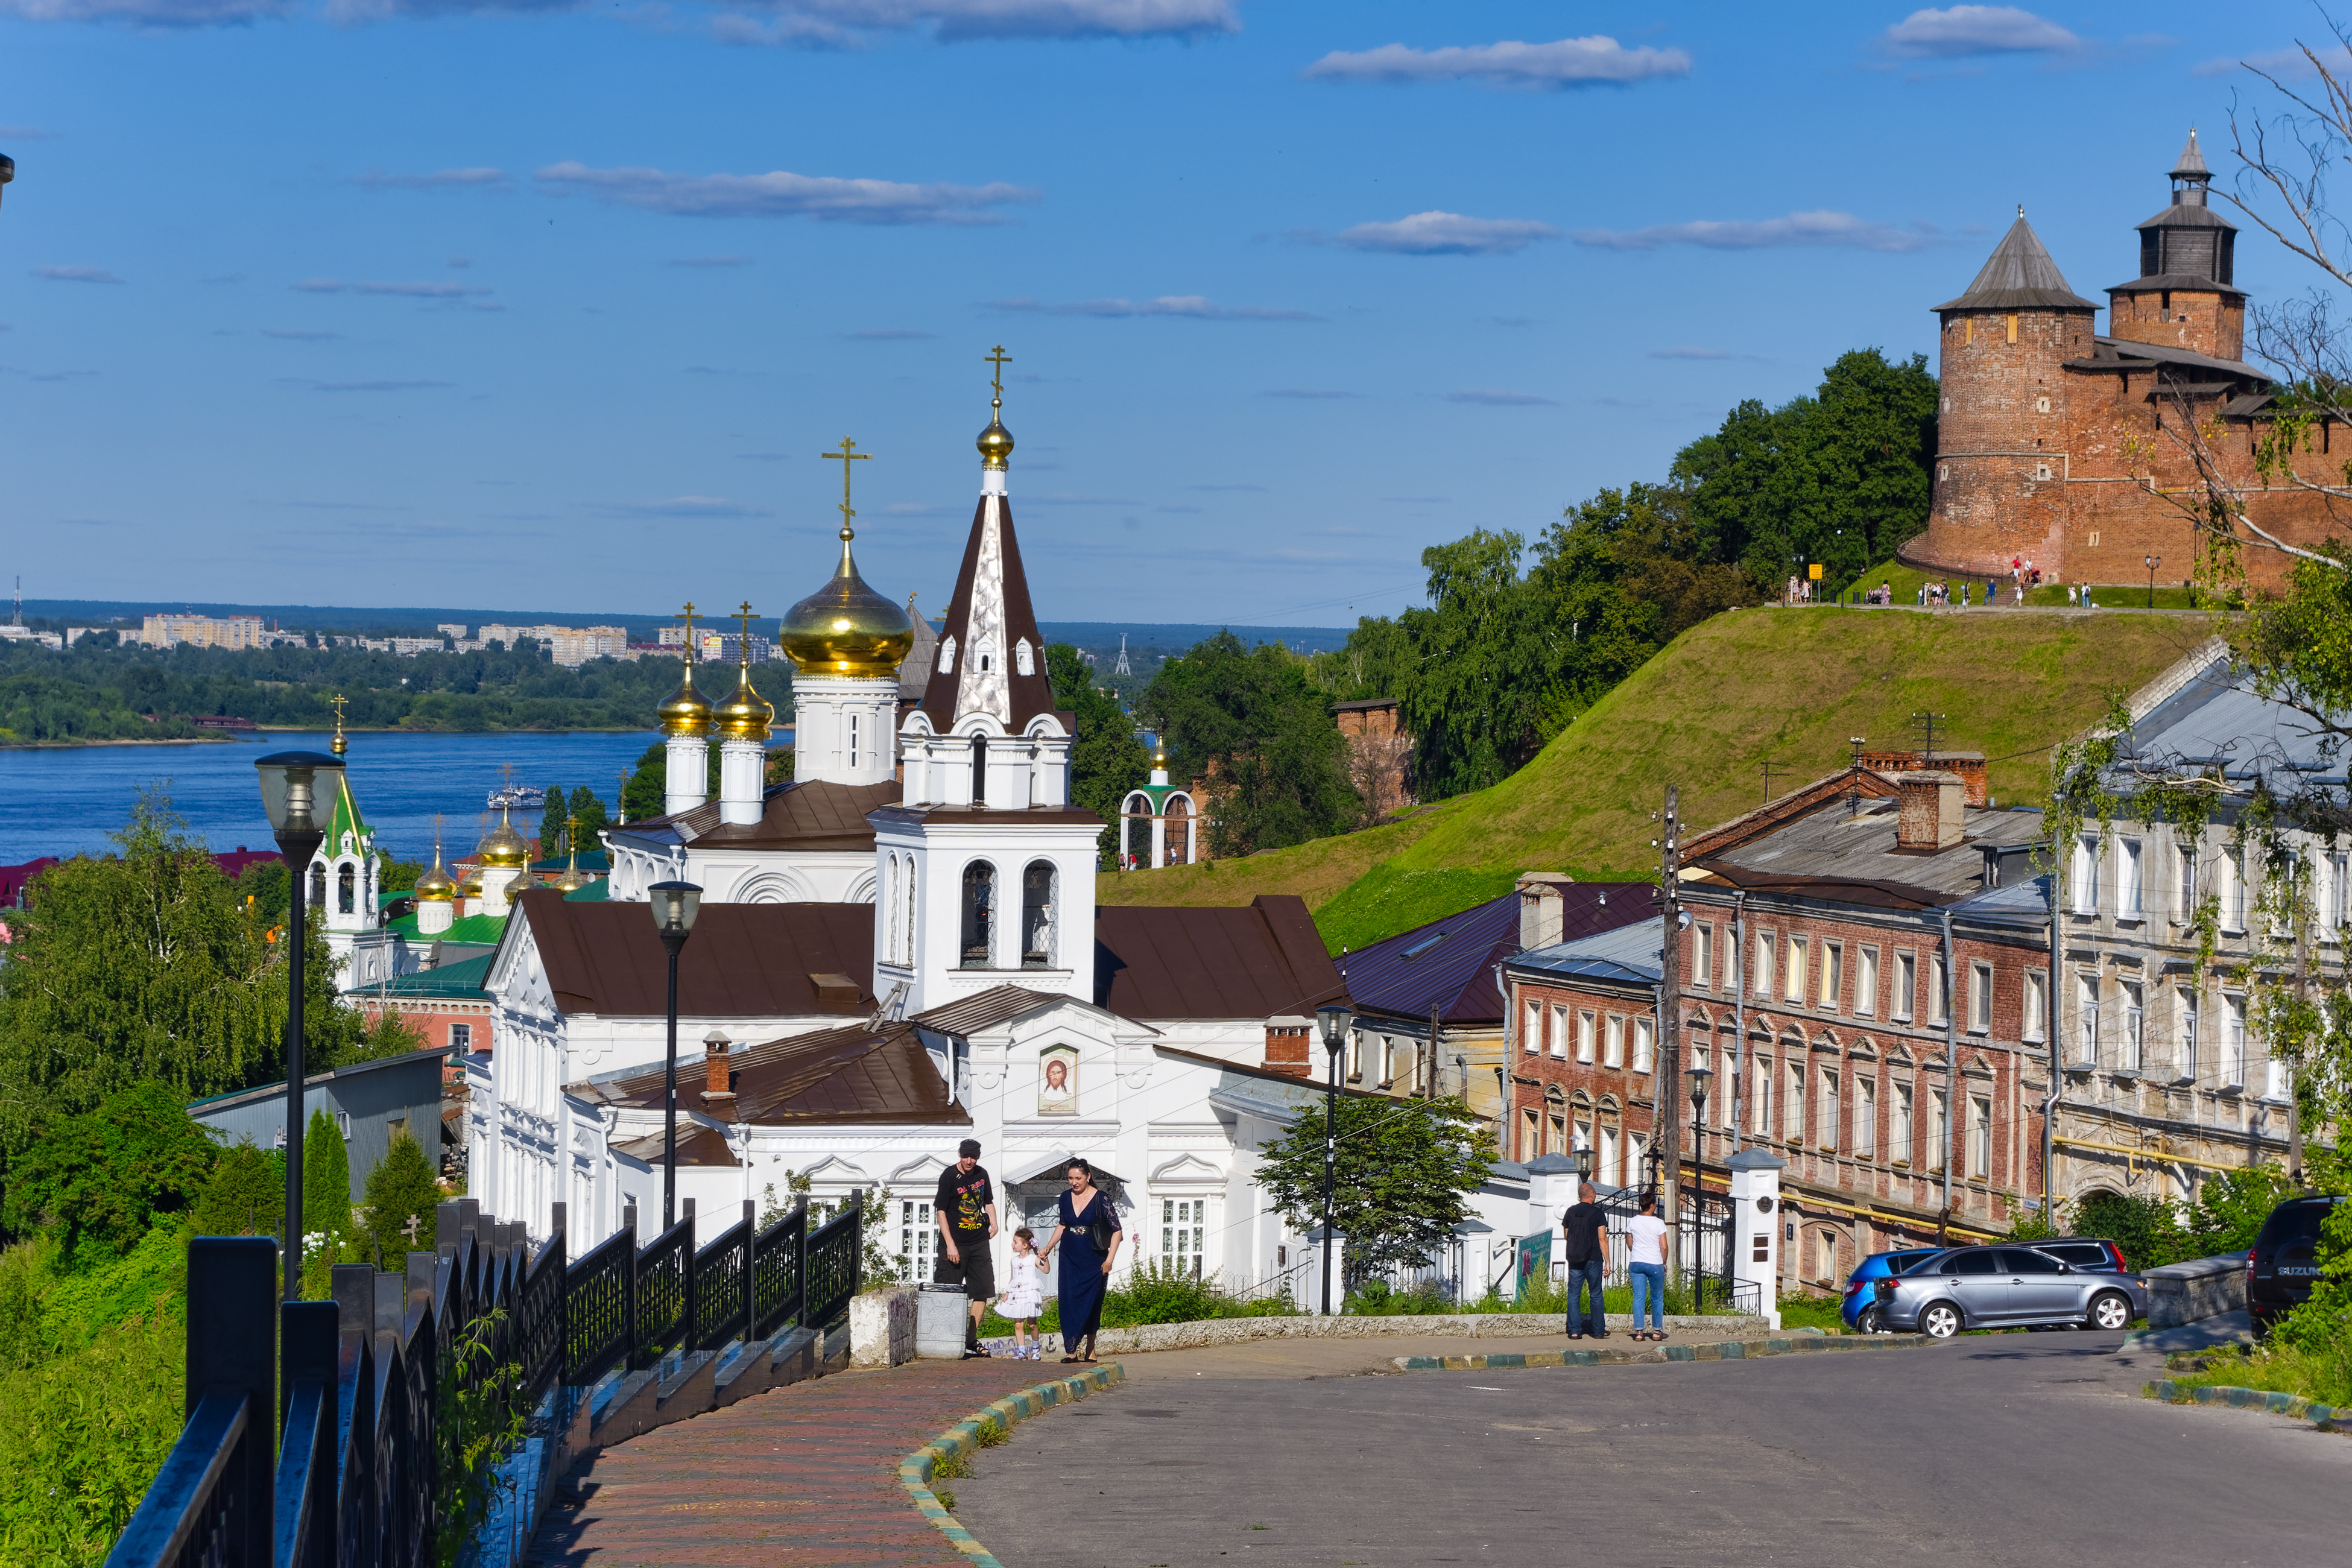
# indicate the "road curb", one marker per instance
pixel 963 1440
pixel 1723 1349
pixel 2293 1406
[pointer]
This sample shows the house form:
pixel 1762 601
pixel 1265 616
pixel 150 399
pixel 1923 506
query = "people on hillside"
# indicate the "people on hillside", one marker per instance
pixel 1587 1229
pixel 964 1208
pixel 1645 1260
pixel 1087 1236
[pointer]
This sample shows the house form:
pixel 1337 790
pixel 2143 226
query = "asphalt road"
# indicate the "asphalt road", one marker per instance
pixel 1992 1451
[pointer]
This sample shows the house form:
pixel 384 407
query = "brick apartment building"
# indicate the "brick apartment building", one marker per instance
pixel 2048 429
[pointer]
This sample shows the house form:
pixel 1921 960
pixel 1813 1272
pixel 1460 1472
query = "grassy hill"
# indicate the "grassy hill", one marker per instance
pixel 1747 687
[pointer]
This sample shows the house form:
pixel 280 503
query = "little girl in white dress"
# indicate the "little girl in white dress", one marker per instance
pixel 1024 1294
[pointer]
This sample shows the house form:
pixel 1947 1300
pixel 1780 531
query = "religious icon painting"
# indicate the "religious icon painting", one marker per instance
pixel 1057 1081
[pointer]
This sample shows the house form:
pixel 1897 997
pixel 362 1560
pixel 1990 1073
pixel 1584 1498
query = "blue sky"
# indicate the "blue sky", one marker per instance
pixel 431 301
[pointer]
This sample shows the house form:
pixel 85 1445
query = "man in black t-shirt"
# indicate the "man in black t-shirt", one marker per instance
pixel 1586 1225
pixel 965 1210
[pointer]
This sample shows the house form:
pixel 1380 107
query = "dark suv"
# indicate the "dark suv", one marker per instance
pixel 2285 1259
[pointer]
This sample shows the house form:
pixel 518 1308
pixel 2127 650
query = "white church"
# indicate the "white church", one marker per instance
pixel 898 949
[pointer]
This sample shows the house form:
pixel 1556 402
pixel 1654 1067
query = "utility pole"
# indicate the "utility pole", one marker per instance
pixel 1769 769
pixel 1666 1085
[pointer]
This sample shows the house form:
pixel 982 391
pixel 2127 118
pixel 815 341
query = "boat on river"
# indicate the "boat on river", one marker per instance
pixel 521 797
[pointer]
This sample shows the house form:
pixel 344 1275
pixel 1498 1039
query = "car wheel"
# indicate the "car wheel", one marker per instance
pixel 2111 1309
pixel 1871 1320
pixel 1939 1321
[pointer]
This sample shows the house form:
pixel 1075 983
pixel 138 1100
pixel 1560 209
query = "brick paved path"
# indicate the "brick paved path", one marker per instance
pixel 804 1476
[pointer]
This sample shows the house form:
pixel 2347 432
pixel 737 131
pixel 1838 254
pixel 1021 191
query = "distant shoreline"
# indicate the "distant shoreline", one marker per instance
pixel 218 737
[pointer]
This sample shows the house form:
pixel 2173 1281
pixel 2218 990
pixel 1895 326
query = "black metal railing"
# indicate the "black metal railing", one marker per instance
pixel 362 1476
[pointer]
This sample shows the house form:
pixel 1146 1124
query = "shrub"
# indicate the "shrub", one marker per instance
pixel 99 1179
pixel 326 1178
pixel 401 1195
pixel 246 1197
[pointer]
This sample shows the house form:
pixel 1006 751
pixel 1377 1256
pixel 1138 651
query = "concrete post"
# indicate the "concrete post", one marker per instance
pixel 1552 1188
pixel 1338 1272
pixel 1756 1227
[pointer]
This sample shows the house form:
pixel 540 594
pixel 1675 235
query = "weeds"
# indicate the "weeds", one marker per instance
pixel 992 1433
pixel 951 1467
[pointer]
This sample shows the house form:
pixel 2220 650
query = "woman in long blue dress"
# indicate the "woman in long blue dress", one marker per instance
pixel 1085 1268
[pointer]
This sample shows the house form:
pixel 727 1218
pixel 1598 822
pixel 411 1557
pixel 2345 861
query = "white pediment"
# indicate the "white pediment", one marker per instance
pixel 1184 1169
pixel 925 1169
pixel 833 1168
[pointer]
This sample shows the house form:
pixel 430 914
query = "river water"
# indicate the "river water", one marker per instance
pixel 67 799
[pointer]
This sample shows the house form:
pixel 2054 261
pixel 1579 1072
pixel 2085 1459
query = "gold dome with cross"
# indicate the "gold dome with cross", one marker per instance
pixel 845 628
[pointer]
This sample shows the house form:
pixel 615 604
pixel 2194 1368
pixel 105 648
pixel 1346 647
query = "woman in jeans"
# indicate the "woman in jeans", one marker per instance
pixel 1645 1253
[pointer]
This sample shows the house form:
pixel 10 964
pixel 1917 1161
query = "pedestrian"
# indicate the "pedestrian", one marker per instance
pixel 1645 1260
pixel 1089 1223
pixel 1024 1294
pixel 1588 1245
pixel 964 1208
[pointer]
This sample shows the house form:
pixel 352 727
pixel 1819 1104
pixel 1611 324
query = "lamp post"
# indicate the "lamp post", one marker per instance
pixel 8 169
pixel 1336 1018
pixel 2153 562
pixel 294 787
pixel 1699 1077
pixel 674 905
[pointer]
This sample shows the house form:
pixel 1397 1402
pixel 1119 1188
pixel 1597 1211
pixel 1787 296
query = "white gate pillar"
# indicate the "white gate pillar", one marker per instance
pixel 1755 1238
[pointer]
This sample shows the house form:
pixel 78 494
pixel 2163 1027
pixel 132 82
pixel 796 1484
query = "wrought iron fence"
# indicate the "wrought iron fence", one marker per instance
pixel 360 1479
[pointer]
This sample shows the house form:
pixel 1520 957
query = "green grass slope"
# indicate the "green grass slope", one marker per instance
pixel 1747 687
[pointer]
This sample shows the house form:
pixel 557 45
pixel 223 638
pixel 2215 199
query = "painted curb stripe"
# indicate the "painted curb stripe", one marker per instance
pixel 962 1439
pixel 2294 1407
pixel 1727 1350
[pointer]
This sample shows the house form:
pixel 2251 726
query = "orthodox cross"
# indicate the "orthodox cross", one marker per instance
pixel 572 833
pixel 686 614
pixel 339 710
pixel 847 455
pixel 1000 359
pixel 744 616
pixel 409 1229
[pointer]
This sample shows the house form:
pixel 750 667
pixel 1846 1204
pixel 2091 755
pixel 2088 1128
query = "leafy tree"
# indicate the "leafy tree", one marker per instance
pixel 1249 723
pixel 326 1177
pixel 2147 1230
pixel 590 810
pixel 389 1036
pixel 551 831
pixel 400 875
pixel 246 1197
pixel 401 1189
pixel 270 887
pixel 1473 701
pixel 1403 1174
pixel 99 1179
pixel 1106 759
pixel 782 760
pixel 147 967
pixel 649 782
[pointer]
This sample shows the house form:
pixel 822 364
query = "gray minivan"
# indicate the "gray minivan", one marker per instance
pixel 2006 1287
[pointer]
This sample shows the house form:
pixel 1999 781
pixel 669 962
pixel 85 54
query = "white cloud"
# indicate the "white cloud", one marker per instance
pixel 2284 64
pixel 1594 61
pixel 783 195
pixel 956 21
pixel 1194 306
pixel 1796 228
pixel 680 506
pixel 75 274
pixel 148 13
pixel 385 10
pixel 1961 30
pixel 1439 234
pixel 401 290
pixel 1492 397
pixel 377 180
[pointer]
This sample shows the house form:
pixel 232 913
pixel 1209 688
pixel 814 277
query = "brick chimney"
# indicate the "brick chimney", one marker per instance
pixel 1931 804
pixel 718 1081
pixel 1543 916
pixel 1289 1045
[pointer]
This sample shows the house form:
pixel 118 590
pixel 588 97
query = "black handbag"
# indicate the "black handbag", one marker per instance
pixel 1099 1228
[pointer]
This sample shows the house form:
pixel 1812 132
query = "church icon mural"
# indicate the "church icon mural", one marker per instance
pixel 1057 1082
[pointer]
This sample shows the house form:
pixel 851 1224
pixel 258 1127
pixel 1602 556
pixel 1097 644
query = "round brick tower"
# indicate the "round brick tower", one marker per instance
pixel 2001 458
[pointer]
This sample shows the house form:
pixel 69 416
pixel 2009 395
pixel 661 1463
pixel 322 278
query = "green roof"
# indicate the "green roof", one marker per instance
pixel 347 818
pixel 593 893
pixel 464 979
pixel 590 861
pixel 482 930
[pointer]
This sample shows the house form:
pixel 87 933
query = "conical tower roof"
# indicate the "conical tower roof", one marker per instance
pixel 2192 162
pixel 990 617
pixel 2019 276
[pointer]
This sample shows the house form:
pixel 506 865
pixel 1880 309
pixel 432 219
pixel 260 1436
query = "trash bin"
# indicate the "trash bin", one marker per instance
pixel 941 1314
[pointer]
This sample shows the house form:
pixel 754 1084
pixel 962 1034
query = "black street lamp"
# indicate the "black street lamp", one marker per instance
pixel 2153 562
pixel 7 170
pixel 1698 1076
pixel 674 905
pixel 297 789
pixel 1336 1018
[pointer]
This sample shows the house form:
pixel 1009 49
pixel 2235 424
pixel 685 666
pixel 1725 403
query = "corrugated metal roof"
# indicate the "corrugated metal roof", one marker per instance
pixel 1449 963
pixel 743 961
pixel 1257 961
pixel 849 1074
pixel 1859 854
pixel 2215 719
pixel 464 979
pixel 998 1005
pixel 698 1143
pixel 1632 953
pixel 2019 276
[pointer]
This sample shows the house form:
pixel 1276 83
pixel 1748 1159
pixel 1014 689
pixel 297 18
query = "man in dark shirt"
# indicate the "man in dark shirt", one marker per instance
pixel 965 1210
pixel 1587 1251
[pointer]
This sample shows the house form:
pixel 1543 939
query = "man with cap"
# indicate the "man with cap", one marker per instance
pixel 965 1210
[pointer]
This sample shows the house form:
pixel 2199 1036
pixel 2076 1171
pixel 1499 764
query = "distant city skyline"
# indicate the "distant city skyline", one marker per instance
pixel 470 299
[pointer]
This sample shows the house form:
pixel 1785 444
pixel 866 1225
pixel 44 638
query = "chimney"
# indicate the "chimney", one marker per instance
pixel 1543 915
pixel 1288 1041
pixel 1931 804
pixel 717 1083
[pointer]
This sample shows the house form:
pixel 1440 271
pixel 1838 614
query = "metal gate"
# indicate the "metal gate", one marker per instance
pixel 1703 1245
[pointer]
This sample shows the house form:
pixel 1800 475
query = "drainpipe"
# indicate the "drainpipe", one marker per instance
pixel 2057 1079
pixel 1503 1070
pixel 1951 1065
pixel 1739 1015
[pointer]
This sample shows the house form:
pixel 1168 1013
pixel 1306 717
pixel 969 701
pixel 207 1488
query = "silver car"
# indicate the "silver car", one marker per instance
pixel 2006 1287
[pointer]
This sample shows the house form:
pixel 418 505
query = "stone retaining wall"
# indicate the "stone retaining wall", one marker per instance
pixel 2181 1293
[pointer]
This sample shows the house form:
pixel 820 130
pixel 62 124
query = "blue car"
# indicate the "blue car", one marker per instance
pixel 1860 1307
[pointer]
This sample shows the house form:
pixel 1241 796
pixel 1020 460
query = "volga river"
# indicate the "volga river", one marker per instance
pixel 68 799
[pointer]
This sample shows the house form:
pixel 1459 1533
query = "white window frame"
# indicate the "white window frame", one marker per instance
pixel 1866 982
pixel 1865 1116
pixel 1646 1050
pixel 2234 891
pixel 1613 1046
pixel 1761 978
pixel 1559 1030
pixel 2131 892
pixel 1829 1124
pixel 1832 980
pixel 1906 987
pixel 1979 998
pixel 2135 1053
pixel 1980 1147
pixel 1792 1105
pixel 1183 1230
pixel 1793 990
pixel 1940 1128
pixel 1902 1124
pixel 2083 875
pixel 1939 999
pixel 917 1240
pixel 1531 1034
pixel 2034 1006
pixel 2232 1068
pixel 2086 1017
pixel 1587 1026
pixel 2185 1000
pixel 1703 956
pixel 1760 1102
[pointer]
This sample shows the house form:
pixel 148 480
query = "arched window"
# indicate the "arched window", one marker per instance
pixel 892 911
pixel 345 880
pixel 318 886
pixel 982 662
pixel 1025 662
pixel 906 925
pixel 979 914
pixel 947 655
pixel 979 769
pixel 1037 915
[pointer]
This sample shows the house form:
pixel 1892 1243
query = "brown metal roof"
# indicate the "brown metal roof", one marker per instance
pixel 742 961
pixel 1030 694
pixel 1071 815
pixel 996 1005
pixel 811 816
pixel 698 1143
pixel 1253 962
pixel 850 1074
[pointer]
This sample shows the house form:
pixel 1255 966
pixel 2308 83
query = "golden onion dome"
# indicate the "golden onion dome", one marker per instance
pixel 473 888
pixel 503 847
pixel 684 711
pixel 995 444
pixel 435 886
pixel 744 716
pixel 845 628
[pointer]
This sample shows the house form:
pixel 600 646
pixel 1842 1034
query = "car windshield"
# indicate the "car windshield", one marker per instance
pixel 2025 1260
pixel 2081 1254
pixel 2295 1222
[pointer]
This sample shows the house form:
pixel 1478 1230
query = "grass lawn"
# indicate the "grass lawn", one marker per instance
pixel 2324 1376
